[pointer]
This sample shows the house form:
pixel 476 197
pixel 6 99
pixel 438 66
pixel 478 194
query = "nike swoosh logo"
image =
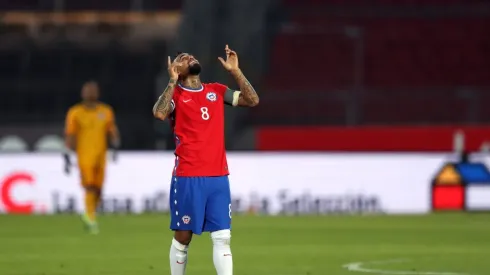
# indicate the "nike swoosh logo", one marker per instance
pixel 180 262
pixel 185 101
pixel 227 255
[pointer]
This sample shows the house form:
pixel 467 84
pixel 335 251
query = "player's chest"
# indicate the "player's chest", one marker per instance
pixel 92 120
pixel 200 107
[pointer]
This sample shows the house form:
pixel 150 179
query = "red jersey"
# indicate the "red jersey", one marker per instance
pixel 198 122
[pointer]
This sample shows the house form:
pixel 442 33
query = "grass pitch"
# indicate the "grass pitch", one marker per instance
pixel 309 245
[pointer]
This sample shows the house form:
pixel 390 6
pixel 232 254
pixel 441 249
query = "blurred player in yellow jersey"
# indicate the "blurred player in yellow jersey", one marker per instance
pixel 88 126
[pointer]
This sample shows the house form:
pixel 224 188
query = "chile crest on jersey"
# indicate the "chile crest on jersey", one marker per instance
pixel 211 96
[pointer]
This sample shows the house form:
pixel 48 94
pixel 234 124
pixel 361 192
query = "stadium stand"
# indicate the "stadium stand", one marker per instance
pixel 405 69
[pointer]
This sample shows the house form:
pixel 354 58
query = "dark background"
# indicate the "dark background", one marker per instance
pixel 342 63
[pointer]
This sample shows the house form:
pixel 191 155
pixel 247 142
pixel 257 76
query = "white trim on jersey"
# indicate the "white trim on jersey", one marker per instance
pixel 190 89
pixel 172 105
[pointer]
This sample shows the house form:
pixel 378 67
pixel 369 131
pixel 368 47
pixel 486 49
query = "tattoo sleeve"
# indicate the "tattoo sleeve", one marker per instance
pixel 249 95
pixel 163 106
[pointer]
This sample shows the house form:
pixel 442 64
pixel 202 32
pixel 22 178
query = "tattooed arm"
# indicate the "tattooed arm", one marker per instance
pixel 164 106
pixel 248 96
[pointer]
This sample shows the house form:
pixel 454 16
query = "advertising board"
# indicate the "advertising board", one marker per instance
pixel 261 183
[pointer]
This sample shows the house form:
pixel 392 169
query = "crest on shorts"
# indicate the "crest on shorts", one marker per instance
pixel 211 96
pixel 186 219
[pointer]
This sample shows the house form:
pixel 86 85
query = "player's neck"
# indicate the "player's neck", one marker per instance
pixel 90 104
pixel 192 82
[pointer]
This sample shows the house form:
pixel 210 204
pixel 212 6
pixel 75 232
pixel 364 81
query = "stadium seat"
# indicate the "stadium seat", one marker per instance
pixel 12 144
pixel 50 143
pixel 414 107
pixel 402 55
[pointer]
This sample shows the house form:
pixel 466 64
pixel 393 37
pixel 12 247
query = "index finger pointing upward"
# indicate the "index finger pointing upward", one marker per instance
pixel 169 63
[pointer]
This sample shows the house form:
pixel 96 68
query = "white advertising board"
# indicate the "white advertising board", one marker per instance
pixel 267 183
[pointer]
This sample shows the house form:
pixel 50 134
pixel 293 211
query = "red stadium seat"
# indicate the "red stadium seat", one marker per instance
pixel 399 53
pixel 414 108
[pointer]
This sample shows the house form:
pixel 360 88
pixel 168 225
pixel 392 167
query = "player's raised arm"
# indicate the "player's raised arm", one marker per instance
pixel 163 107
pixel 248 96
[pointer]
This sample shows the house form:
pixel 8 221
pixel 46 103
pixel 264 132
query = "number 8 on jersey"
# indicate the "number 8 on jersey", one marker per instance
pixel 204 113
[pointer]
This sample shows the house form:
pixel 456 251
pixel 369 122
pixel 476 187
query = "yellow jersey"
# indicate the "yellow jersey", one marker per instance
pixel 90 127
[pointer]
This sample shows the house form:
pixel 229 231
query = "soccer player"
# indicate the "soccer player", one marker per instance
pixel 200 199
pixel 88 125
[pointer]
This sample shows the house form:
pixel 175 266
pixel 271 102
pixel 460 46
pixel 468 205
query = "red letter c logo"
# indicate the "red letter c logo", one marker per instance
pixel 6 186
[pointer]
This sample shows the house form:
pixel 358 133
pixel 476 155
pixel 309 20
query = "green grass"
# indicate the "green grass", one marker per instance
pixel 138 245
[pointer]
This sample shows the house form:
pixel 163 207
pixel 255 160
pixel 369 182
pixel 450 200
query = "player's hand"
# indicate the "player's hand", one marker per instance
pixel 231 62
pixel 173 69
pixel 115 144
pixel 67 163
pixel 115 155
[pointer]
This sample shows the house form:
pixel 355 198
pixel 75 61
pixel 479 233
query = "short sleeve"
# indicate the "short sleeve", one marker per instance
pixel 230 96
pixel 219 88
pixel 175 99
pixel 172 106
pixel 71 123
